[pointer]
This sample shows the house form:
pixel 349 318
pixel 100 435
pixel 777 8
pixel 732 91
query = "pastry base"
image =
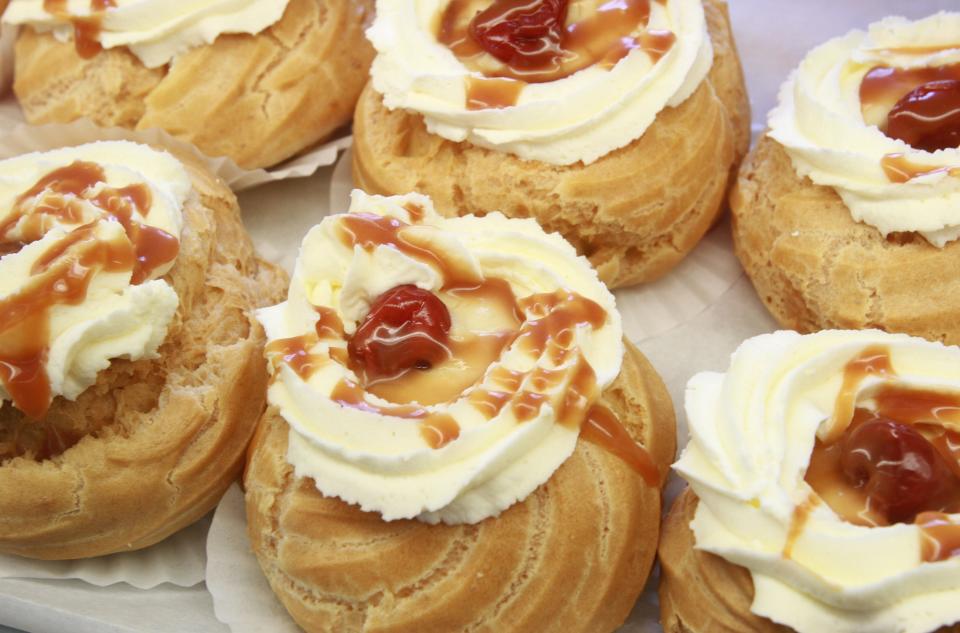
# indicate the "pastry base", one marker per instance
pixel 258 99
pixel 703 593
pixel 815 268
pixel 164 438
pixel 635 213
pixel 575 554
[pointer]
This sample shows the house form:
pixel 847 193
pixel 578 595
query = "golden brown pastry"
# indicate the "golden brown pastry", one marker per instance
pixel 576 553
pixel 151 446
pixel 845 214
pixel 635 212
pixel 258 99
pixel 458 519
pixel 815 268
pixel 702 592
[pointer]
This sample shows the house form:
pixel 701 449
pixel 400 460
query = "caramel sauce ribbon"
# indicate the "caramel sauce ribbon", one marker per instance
pixel 63 274
pixel 873 361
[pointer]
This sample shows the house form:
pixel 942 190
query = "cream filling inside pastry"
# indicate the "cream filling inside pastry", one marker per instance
pixel 752 433
pixel 477 448
pixel 835 139
pixel 156 31
pixel 86 232
pixel 580 117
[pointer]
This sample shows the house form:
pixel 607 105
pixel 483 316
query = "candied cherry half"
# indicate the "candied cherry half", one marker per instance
pixel 522 33
pixel 928 118
pixel 406 327
pixel 900 470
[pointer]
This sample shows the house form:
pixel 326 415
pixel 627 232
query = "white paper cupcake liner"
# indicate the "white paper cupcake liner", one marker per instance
pixel 242 598
pixel 648 310
pixel 179 560
pixel 21 138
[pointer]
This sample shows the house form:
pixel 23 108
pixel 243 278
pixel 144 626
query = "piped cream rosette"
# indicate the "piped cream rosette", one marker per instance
pixel 74 288
pixel 580 117
pixel 835 142
pixel 753 430
pixel 156 31
pixel 360 451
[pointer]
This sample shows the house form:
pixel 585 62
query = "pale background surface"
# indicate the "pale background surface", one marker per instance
pixel 772 37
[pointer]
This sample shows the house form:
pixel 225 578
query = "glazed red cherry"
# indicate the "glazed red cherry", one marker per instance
pixel 521 33
pixel 406 327
pixel 929 117
pixel 902 472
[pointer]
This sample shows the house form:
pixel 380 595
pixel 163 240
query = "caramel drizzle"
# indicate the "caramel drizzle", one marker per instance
pixel 939 536
pixel 882 87
pixel 602 428
pixel 798 522
pixel 899 169
pixel 880 91
pixel 329 326
pixel 603 39
pixel 654 42
pixel 552 319
pixel 416 211
pixel 873 361
pixel 370 231
pixel 485 93
pixel 86 29
pixel 915 50
pixel 934 414
pixel 467 361
pixel 437 429
pixel 62 275
pixel 295 351
pixel 548 330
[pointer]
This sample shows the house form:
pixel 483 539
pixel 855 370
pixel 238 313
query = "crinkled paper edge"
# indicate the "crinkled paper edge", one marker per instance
pixel 179 560
pixel 22 138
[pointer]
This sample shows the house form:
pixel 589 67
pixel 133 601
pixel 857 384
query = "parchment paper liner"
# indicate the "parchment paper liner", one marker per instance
pixel 22 138
pixel 179 560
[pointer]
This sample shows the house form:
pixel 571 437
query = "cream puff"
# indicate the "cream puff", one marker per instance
pixel 616 124
pixel 255 80
pixel 458 437
pixel 130 361
pixel 847 213
pixel 824 495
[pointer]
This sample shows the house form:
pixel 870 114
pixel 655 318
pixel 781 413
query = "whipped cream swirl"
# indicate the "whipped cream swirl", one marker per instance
pixel 364 454
pixel 154 30
pixel 72 271
pixel 581 117
pixel 821 123
pixel 753 431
